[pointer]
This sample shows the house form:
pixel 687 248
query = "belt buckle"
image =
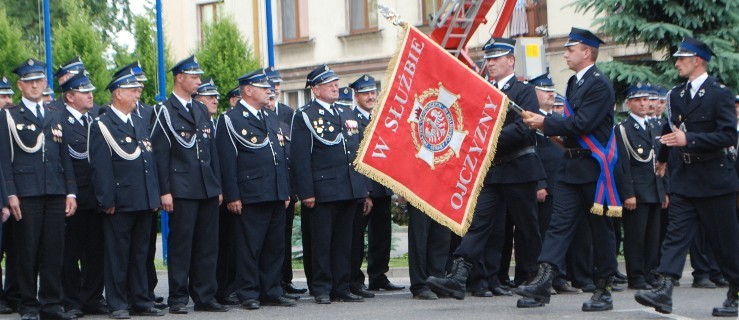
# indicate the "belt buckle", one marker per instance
pixel 686 158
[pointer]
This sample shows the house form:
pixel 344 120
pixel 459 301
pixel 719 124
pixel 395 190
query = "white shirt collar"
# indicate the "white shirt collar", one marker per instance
pixel 544 112
pixel 183 101
pixel 641 121
pixel 30 105
pixel 251 109
pixel 124 117
pixel 500 84
pixel 325 105
pixel 363 112
pixel 76 114
pixel 582 72
pixel 697 83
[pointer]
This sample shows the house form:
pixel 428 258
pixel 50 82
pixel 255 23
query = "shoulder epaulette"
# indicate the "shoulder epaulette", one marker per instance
pixel 304 107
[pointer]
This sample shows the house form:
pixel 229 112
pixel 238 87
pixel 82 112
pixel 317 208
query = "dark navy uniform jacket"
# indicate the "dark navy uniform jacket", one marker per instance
pixel 285 113
pixel 77 140
pixel 710 125
pixel 189 173
pixel 47 171
pixel 592 100
pixel 635 178
pixel 375 188
pixel 127 185
pixel 515 136
pixel 285 116
pixel 146 113
pixel 550 154
pixel 253 159
pixel 323 170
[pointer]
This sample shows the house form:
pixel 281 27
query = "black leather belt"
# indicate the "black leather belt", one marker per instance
pixel 689 158
pixel 577 153
pixel 511 156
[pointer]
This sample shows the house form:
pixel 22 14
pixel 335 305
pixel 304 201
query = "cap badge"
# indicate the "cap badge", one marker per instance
pixel 30 62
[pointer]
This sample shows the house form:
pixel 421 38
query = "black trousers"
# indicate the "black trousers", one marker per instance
pixel 193 250
pixel 579 257
pixel 331 236
pixel 378 225
pixel 702 258
pixel 226 264
pixel 428 249
pixel 641 241
pixel 487 229
pixel 126 247
pixel 260 243
pixel 82 274
pixel 572 204
pixel 305 214
pixel 151 270
pixel 718 217
pixel 287 263
pixel 39 241
pixel 10 293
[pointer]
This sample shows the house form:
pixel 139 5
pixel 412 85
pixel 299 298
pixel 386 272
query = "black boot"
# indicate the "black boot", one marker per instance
pixel 659 298
pixel 453 284
pixel 540 288
pixel 730 305
pixel 601 299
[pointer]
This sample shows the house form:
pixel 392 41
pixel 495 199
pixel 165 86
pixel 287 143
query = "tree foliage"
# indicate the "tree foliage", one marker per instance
pixel 107 16
pixel 225 55
pixel 78 38
pixel 14 49
pixel 146 53
pixel 661 25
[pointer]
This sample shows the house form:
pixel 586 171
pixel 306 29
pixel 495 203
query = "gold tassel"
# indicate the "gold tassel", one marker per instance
pixel 614 211
pixel 597 209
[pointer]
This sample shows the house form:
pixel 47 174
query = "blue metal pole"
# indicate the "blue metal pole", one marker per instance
pixel 162 95
pixel 47 40
pixel 270 39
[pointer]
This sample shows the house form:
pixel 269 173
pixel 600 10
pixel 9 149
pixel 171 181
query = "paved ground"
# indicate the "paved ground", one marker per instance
pixel 689 303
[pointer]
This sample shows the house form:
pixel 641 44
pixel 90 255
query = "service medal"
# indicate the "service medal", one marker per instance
pixel 19 127
pixel 640 150
pixel 331 129
pixel 128 140
pixel 32 127
pixel 320 120
pixel 319 129
pixel 243 132
pixel 253 140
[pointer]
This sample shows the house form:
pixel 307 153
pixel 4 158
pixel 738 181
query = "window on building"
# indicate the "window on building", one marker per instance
pixel 208 13
pixel 294 19
pixel 428 8
pixel 363 15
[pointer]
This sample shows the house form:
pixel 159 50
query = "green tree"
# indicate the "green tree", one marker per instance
pixel 78 38
pixel 107 16
pixel 14 49
pixel 146 53
pixel 661 25
pixel 225 55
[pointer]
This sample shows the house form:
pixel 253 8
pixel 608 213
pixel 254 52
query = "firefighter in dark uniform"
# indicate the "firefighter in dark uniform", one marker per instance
pixel 285 117
pixel 124 179
pixel 591 98
pixel 83 244
pixel 190 189
pixel 256 190
pixel 509 192
pixel 642 191
pixel 325 140
pixel 377 222
pixel 702 124
pixel 145 112
pixel 41 190
pixel 68 69
pixel 9 292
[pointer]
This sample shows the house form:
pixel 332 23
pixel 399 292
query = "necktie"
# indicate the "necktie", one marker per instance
pixel 188 106
pixel 129 122
pixel 84 120
pixel 331 110
pixel 39 115
pixel 690 91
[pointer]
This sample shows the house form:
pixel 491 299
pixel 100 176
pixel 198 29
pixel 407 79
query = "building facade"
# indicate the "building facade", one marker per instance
pixel 353 39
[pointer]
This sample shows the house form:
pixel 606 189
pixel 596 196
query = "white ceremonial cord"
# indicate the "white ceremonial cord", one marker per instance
pixel 11 128
pixel 115 147
pixel 77 155
pixel 339 138
pixel 180 140
pixel 244 142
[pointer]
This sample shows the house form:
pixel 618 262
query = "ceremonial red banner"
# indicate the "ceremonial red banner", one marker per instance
pixel 433 135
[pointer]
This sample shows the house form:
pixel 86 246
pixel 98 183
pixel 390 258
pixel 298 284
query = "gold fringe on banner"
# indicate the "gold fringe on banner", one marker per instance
pixel 597 209
pixel 377 175
pixel 614 211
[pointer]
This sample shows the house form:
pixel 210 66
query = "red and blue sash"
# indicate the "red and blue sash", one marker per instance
pixel 605 191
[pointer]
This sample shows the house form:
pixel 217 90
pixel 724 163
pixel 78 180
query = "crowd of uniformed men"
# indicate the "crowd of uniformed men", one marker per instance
pixel 83 185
